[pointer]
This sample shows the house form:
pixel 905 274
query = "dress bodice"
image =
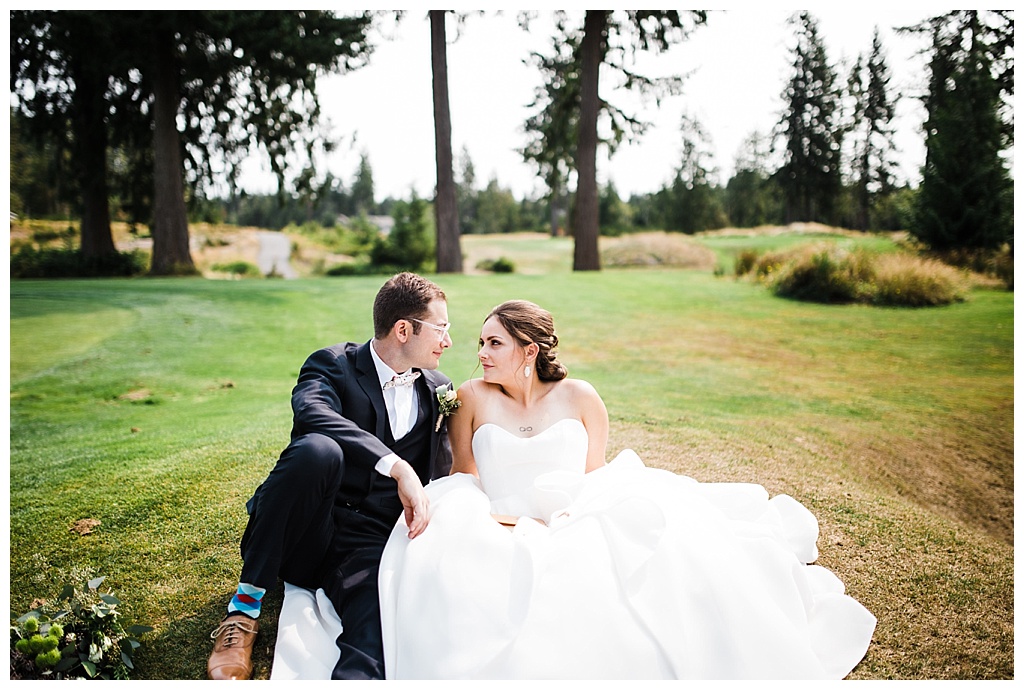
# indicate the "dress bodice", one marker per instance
pixel 510 466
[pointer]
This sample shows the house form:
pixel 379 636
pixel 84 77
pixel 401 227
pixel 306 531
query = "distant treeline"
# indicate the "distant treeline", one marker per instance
pixel 748 199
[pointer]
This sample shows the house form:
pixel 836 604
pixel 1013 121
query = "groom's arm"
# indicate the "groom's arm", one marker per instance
pixel 317 407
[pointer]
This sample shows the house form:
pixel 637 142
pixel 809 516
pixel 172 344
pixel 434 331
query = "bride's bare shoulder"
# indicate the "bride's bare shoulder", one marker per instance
pixel 473 389
pixel 579 387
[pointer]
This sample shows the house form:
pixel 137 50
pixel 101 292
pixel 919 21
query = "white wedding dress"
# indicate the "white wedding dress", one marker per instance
pixel 638 573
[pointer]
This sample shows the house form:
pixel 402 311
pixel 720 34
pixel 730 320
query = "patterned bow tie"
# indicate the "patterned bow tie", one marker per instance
pixel 405 379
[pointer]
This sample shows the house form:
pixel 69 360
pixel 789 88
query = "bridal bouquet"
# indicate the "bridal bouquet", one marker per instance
pixel 78 638
pixel 447 402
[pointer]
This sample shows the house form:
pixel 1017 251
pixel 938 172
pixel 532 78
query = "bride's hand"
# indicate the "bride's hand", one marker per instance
pixel 414 498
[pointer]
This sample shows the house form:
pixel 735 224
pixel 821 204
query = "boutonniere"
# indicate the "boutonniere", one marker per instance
pixel 447 402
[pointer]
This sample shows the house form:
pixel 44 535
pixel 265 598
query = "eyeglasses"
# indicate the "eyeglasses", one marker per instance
pixel 442 330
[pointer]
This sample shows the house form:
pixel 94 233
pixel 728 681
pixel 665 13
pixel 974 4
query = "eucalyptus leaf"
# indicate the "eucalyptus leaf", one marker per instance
pixel 67 592
pixel 90 668
pixel 66 664
pixel 110 599
pixel 127 661
pixel 34 613
pixel 95 583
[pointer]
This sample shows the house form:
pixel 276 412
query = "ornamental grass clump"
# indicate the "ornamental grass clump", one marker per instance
pixel 825 274
pixel 768 265
pixel 79 637
pixel 745 262
pixel 832 275
pixel 909 281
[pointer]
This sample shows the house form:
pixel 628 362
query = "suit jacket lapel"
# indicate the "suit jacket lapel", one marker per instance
pixel 370 383
pixel 428 389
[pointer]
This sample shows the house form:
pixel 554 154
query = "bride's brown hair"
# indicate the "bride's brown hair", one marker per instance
pixel 529 323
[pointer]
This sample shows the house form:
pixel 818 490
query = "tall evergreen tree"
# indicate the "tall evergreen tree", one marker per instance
pixel 810 176
pixel 362 188
pixel 695 203
pixel 235 79
pixel 966 194
pixel 603 37
pixel 752 196
pixel 873 149
pixel 61 63
pixel 554 128
pixel 496 209
pixel 467 193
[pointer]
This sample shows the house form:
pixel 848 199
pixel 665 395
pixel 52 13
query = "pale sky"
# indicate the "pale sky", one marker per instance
pixel 739 63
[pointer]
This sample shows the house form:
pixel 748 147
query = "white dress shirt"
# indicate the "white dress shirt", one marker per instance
pixel 402 403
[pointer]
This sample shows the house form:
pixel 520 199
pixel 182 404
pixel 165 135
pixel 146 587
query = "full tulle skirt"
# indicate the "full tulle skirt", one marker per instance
pixel 637 573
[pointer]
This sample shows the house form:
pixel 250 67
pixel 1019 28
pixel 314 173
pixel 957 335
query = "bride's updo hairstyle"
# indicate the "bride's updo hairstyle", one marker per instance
pixel 528 323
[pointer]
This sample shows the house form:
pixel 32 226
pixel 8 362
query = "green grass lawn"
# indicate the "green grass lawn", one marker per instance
pixel 156 406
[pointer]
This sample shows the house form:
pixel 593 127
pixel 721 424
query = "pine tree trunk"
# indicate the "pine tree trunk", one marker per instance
pixel 585 227
pixel 90 130
pixel 446 214
pixel 171 254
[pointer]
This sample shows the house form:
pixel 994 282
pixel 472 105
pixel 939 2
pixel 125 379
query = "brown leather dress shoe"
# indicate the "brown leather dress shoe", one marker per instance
pixel 232 651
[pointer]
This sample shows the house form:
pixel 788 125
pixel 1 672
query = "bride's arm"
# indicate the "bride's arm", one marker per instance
pixel 594 415
pixel 460 432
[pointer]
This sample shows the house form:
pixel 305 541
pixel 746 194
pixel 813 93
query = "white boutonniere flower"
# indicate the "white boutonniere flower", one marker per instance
pixel 447 402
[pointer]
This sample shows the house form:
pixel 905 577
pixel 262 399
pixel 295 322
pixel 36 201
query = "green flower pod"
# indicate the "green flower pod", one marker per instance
pixel 48 659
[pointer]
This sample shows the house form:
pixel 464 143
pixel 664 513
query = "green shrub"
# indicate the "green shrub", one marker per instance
pixel 48 234
pixel 358 269
pixel 826 275
pixel 408 247
pixel 499 265
pixel 352 241
pixel 29 262
pixel 238 268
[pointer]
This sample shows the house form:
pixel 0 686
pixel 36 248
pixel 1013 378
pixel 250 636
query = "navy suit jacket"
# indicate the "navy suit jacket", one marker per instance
pixel 338 394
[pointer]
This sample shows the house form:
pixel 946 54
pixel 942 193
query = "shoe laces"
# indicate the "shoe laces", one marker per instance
pixel 232 629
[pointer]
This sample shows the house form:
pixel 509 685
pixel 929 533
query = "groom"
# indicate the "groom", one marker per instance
pixel 364 442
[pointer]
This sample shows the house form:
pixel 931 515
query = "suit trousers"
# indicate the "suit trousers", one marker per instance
pixel 351 585
pixel 291 523
pixel 299 531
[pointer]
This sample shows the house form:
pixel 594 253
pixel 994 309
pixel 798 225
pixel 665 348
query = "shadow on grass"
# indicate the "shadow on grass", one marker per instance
pixel 181 650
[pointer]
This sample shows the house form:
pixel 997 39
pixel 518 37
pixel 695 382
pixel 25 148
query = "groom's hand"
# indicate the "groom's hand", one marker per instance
pixel 414 498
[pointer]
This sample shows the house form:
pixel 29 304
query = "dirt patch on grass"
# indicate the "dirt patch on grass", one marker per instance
pixel 137 395
pixel 962 470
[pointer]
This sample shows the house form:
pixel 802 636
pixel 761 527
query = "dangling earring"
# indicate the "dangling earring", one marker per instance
pixel 526 371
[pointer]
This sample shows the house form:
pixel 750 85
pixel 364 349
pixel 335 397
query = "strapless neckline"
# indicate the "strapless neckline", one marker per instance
pixel 526 438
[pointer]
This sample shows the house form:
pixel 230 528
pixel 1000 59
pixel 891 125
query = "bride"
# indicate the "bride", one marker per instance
pixel 541 561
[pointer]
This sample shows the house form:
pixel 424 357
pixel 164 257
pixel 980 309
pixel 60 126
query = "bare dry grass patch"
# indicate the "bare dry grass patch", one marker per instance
pixel 656 249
